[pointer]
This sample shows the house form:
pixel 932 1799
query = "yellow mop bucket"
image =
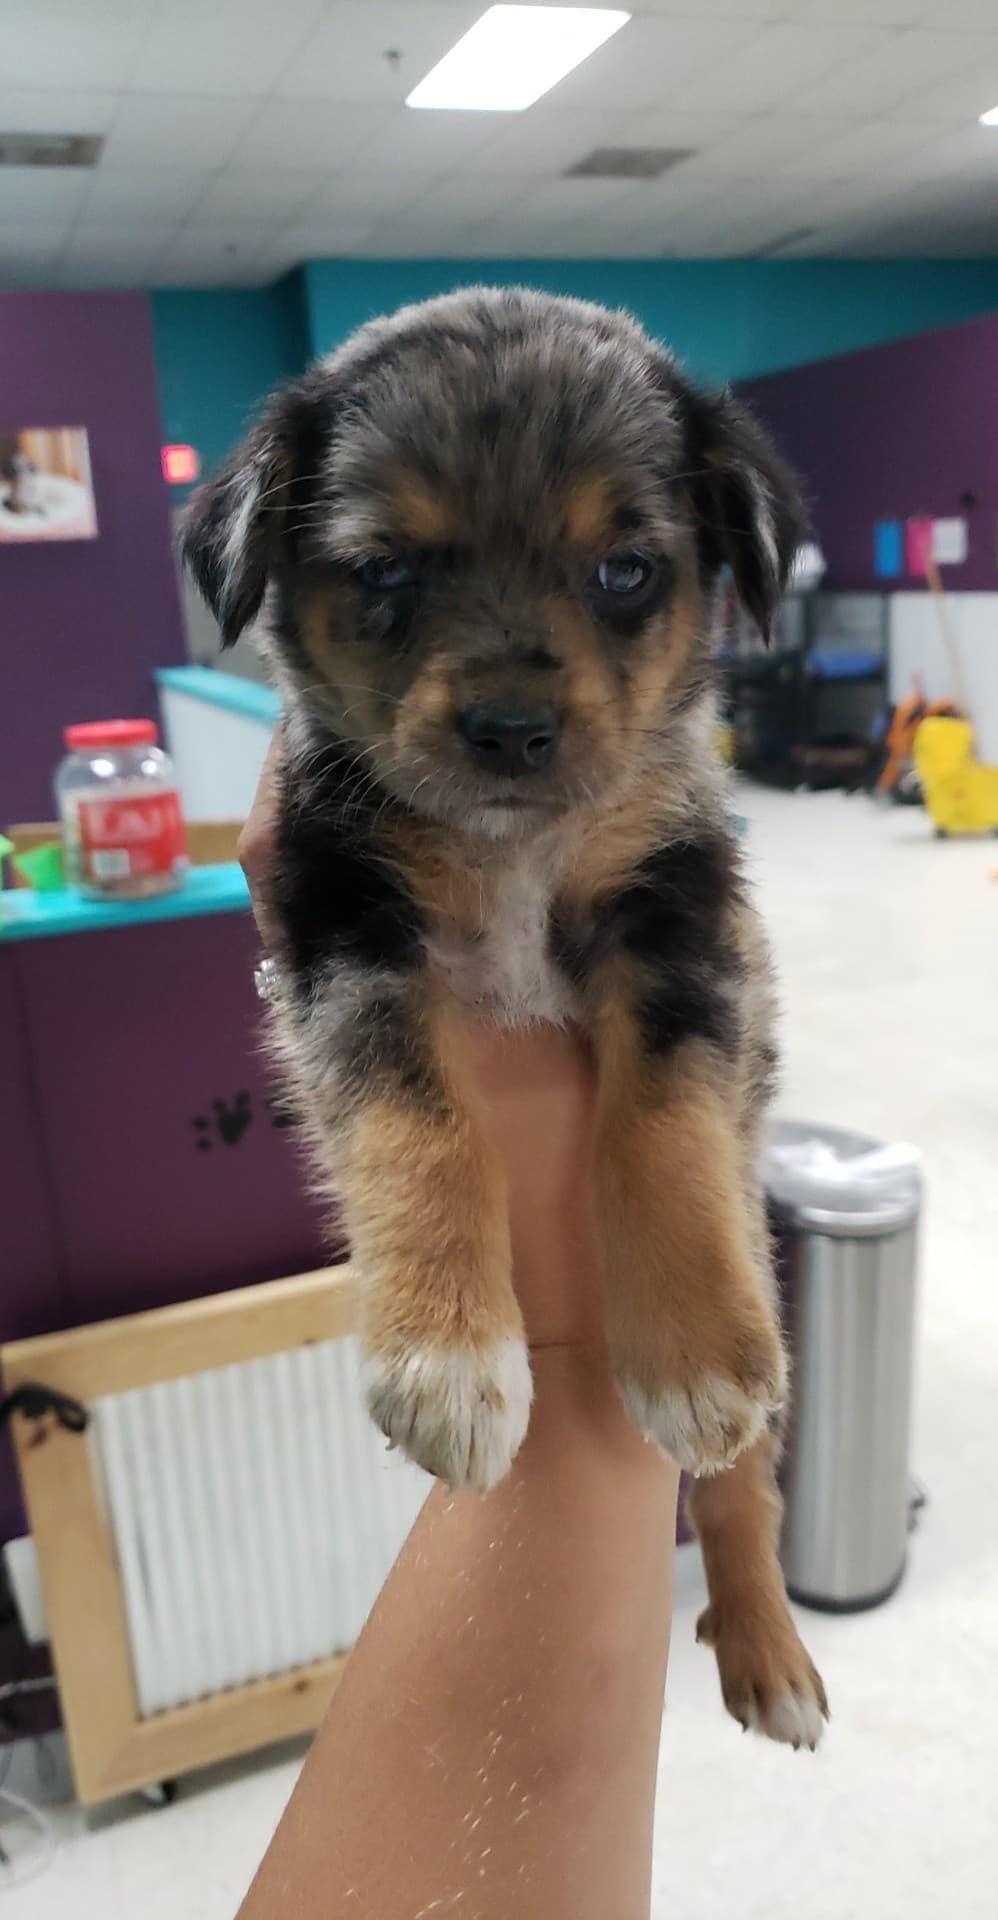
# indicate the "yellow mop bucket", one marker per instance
pixel 961 795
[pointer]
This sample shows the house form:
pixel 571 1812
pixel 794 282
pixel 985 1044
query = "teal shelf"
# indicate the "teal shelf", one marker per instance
pixel 223 690
pixel 27 915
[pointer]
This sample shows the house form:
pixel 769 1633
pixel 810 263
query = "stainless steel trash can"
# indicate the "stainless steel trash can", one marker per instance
pixel 845 1209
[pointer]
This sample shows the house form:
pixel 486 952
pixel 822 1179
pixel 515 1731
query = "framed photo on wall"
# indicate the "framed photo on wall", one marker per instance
pixel 46 490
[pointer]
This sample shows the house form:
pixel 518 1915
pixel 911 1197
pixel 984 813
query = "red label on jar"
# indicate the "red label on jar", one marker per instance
pixel 130 839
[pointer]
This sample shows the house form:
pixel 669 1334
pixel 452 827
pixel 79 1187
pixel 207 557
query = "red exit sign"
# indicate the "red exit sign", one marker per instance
pixel 181 465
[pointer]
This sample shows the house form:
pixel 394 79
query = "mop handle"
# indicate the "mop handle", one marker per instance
pixel 949 636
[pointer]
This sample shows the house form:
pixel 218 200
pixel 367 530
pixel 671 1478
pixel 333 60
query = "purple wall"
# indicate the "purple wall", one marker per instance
pixel 891 432
pixel 141 1159
pixel 83 623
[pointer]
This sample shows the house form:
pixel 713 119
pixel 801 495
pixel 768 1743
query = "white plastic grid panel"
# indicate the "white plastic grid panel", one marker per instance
pixel 256 1512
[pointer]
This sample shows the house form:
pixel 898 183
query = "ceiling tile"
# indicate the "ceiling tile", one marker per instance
pixel 469 196
pixel 314 240
pixel 883 147
pixel 881 13
pixel 973 150
pixel 963 16
pixel 262 194
pixel 409 237
pixel 346 57
pixel 29 239
pixel 55 110
pixel 299 133
pixel 140 192
pixel 784 60
pixel 548 139
pixel 759 11
pixel 758 142
pixel 962 98
pixel 885 75
pixel 62 44
pixel 426 141
pixel 649 62
pixel 370 195
pixel 166 129
pixel 681 125
pixel 570 201
pixel 120 240
pixel 232 235
pixel 46 192
pixel 240 49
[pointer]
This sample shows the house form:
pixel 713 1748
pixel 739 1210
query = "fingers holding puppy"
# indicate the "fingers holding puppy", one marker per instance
pixel 258 842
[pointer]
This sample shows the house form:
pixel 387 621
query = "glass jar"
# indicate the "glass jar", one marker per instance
pixel 120 809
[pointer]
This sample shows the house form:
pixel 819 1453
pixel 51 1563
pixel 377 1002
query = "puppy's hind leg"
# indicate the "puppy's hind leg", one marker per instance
pixel 768 1680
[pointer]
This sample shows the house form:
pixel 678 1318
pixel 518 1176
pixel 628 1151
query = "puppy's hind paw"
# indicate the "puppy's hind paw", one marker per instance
pixel 769 1682
pixel 459 1412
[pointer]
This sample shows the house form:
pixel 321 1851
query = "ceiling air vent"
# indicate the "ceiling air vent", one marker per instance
pixel 628 163
pixel 50 149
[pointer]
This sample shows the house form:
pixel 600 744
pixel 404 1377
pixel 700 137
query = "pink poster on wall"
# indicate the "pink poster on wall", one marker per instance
pixel 918 542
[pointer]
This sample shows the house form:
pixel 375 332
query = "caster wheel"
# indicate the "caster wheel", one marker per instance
pixel 161 1793
pixel 941 833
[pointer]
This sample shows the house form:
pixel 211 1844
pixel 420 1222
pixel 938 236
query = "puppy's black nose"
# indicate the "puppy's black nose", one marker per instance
pixel 510 740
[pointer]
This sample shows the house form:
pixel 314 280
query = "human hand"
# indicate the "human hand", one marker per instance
pixel 505 1697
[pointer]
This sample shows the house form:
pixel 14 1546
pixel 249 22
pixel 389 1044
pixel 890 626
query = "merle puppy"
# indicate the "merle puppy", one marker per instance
pixel 492 528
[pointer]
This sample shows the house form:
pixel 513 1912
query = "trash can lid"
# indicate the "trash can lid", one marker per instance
pixel 837 1182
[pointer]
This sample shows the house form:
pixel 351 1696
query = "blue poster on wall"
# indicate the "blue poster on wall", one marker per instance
pixel 888 549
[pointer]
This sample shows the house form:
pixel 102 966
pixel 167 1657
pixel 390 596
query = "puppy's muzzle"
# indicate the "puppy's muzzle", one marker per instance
pixel 510 740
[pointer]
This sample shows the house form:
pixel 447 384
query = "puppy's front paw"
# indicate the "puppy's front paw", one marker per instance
pixel 706 1417
pixel 768 1680
pixel 458 1411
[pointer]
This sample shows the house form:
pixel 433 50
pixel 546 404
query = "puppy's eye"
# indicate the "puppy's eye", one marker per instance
pixel 386 573
pixel 623 573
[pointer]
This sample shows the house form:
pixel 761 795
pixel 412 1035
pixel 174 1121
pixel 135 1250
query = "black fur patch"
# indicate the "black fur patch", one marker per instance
pixel 690 1003
pixel 385 1039
pixel 335 894
pixel 672 917
pixel 728 466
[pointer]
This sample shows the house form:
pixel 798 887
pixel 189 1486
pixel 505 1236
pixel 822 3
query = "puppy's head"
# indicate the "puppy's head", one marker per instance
pixel 493 525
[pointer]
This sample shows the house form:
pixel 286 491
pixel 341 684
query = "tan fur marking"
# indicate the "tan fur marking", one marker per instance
pixel 761 1658
pixel 616 842
pixel 425 1205
pixel 588 512
pixel 419 512
pixel 668 643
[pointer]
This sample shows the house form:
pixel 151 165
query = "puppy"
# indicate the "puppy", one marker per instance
pixel 492 528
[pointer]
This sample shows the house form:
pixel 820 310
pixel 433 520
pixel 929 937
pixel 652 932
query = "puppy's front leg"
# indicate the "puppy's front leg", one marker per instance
pixel 693 1338
pixel 446 1368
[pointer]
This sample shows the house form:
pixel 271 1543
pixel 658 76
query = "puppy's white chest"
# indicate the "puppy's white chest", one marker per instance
pixel 505 967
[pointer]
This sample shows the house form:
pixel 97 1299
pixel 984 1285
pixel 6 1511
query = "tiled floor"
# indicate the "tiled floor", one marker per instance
pixel 888 946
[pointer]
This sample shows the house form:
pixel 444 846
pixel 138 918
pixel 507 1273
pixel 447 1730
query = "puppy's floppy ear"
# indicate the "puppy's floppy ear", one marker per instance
pixel 232 528
pixel 748 508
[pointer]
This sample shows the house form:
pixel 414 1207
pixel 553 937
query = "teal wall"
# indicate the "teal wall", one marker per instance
pixel 728 319
pixel 219 352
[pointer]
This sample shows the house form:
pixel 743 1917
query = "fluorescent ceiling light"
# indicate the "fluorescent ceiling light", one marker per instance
pixel 990 119
pixel 514 54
